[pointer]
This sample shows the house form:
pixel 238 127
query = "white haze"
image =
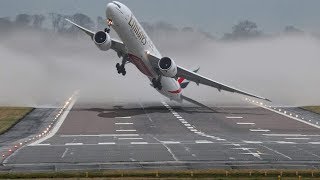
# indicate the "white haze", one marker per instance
pixel 42 69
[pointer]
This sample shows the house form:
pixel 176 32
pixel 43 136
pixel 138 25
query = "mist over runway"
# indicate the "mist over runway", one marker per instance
pixel 41 68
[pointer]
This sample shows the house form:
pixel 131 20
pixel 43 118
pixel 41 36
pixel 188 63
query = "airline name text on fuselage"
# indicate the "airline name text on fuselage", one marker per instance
pixel 137 30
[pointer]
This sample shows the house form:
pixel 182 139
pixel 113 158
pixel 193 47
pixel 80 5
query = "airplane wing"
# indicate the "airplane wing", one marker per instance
pixel 116 45
pixel 199 79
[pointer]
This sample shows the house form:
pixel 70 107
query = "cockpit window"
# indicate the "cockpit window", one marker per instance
pixel 116 4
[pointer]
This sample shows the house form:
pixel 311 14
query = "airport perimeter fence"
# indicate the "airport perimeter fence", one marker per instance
pixel 158 174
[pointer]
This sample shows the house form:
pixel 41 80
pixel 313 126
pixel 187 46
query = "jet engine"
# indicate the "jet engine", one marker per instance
pixel 167 67
pixel 102 40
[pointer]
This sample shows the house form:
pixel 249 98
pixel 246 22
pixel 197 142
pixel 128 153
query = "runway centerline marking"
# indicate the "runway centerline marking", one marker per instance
pixel 73 144
pixel 285 142
pixel 126 117
pixel 138 142
pixel 203 142
pixel 126 130
pixel 253 142
pixel 234 117
pixel 170 142
pixel 123 123
pixel 259 130
pixel 245 123
pixel 297 138
pixel 106 143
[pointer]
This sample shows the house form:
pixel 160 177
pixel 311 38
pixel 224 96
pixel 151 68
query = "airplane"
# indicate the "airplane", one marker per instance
pixel 136 47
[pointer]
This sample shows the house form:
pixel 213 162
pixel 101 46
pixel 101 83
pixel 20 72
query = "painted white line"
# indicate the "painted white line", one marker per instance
pixel 126 130
pixel 128 138
pixel 168 149
pixel 139 143
pixel 99 135
pixel 73 144
pixel 107 143
pixel 243 148
pixel 285 142
pixel 170 142
pixel 297 138
pixel 314 142
pixel 259 130
pixel 193 130
pixel 203 142
pixel 126 117
pixel 234 117
pixel 220 139
pixel 293 135
pixel 253 142
pixel 123 123
pixel 39 145
pixel 187 125
pixel 245 123
pixel 277 152
pixel 292 117
pixel 253 154
pixel 179 117
pixel 190 127
pixel 58 124
pixel 64 153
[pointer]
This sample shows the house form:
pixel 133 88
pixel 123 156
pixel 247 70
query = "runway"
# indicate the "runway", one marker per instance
pixel 163 136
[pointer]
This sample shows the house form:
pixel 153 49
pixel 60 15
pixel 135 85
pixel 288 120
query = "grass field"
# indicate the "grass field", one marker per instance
pixel 315 109
pixel 9 116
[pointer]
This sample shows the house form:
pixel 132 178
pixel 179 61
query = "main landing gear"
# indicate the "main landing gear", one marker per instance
pixel 121 68
pixel 157 83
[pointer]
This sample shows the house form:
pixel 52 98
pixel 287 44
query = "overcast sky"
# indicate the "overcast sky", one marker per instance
pixel 215 16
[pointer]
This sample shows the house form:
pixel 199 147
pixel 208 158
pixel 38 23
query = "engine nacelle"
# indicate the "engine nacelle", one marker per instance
pixel 167 67
pixel 102 40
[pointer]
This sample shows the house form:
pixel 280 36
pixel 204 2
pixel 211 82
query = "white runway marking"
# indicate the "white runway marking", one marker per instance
pixel 58 123
pixel 126 130
pixel 203 142
pixel 139 143
pixel 259 130
pixel 234 117
pixel 168 149
pixel 106 143
pixel 99 135
pixel 245 123
pixel 285 142
pixel 39 145
pixel 73 144
pixel 253 142
pixel 123 123
pixel 64 153
pixel 314 142
pixel 244 149
pixel 277 152
pixel 126 117
pixel 292 135
pixel 297 138
pixel 128 138
pixel 170 142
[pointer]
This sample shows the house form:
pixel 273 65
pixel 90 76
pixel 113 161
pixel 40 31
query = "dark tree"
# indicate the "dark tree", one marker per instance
pixel 243 30
pixel 38 20
pixel 23 19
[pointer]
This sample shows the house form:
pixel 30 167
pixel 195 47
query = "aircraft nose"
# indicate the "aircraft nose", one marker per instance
pixel 109 9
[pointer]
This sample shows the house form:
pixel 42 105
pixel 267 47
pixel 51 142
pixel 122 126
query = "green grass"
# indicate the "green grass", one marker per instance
pixel 315 109
pixel 9 116
pixel 169 174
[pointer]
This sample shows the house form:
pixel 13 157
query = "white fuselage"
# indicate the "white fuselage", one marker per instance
pixel 138 44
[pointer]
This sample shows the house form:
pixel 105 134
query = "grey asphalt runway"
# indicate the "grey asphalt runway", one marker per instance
pixel 163 136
